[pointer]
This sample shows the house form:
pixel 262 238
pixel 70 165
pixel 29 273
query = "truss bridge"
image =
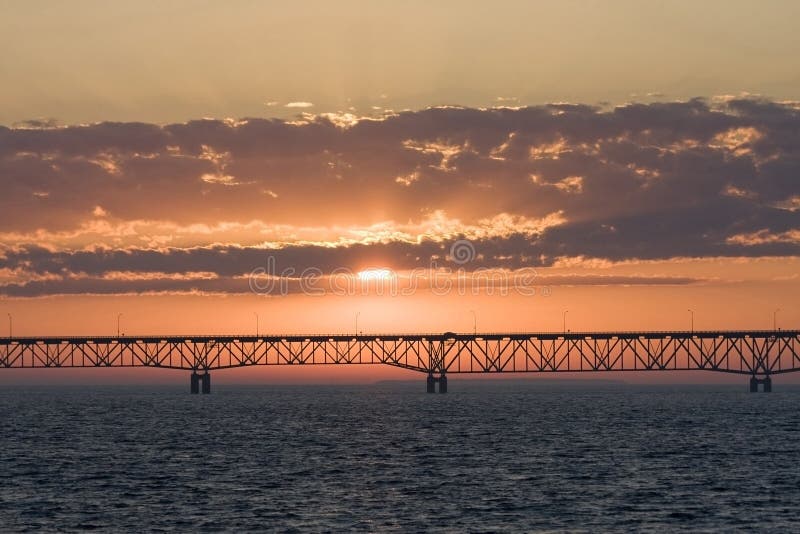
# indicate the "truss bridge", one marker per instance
pixel 759 354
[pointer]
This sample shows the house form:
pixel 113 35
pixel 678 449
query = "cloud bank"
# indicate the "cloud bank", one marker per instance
pixel 527 186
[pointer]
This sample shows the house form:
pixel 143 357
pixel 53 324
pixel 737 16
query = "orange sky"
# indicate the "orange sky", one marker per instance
pixel 627 175
pixel 716 306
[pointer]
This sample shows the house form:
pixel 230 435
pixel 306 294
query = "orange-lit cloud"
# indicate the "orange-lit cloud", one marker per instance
pixel 526 186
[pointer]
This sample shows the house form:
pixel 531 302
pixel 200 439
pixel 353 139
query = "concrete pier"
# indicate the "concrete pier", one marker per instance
pixel 432 381
pixel 755 381
pixel 200 383
pixel 194 383
pixel 431 384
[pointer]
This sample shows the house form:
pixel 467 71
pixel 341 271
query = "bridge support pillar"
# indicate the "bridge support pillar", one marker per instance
pixel 766 381
pixel 194 383
pixel 432 381
pixel 431 384
pixel 200 383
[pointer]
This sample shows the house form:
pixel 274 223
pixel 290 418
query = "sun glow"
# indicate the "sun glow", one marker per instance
pixel 368 275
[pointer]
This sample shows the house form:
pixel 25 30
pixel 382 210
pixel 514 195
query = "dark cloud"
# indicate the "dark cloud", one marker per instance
pixel 648 181
pixel 526 282
pixel 318 168
pixel 229 267
pixel 512 252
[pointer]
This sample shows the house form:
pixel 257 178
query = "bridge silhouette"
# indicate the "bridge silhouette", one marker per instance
pixel 757 353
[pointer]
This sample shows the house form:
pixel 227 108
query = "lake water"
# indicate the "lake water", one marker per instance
pixel 484 457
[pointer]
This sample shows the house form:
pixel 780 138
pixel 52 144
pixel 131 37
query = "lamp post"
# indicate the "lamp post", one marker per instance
pixel 691 313
pixel 474 323
pixel 564 320
pixel 775 319
pixel 118 317
pixel 357 314
pixel 256 314
pixel 10 332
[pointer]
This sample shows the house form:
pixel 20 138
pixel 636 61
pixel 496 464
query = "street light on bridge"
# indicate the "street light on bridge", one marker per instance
pixel 357 314
pixel 691 313
pixel 564 320
pixel 775 319
pixel 256 314
pixel 118 317
pixel 10 333
pixel 474 323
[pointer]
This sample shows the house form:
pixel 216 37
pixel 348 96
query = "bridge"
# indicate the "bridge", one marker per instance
pixel 757 353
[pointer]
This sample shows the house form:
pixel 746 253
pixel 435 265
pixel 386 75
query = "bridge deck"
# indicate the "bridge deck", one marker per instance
pixel 754 352
pixel 623 334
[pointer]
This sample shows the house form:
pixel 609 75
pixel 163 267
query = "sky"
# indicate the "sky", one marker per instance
pixel 406 166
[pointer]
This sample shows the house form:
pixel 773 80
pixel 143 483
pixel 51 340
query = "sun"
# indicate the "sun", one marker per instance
pixel 368 275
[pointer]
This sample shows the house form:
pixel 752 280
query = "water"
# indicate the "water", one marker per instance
pixel 390 457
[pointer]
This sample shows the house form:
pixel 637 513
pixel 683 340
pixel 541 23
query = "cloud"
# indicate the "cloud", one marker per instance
pixel 528 185
pixel 37 124
pixel 221 179
pixel 492 284
pixel 299 105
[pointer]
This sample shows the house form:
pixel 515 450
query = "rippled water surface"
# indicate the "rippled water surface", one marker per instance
pixel 499 456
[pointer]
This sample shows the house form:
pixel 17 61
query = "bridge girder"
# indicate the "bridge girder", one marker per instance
pixel 744 352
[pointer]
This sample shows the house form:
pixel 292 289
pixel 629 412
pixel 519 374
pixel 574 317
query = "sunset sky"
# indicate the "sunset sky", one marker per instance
pixel 626 161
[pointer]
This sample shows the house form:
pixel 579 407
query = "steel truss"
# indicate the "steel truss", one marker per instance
pixel 761 353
